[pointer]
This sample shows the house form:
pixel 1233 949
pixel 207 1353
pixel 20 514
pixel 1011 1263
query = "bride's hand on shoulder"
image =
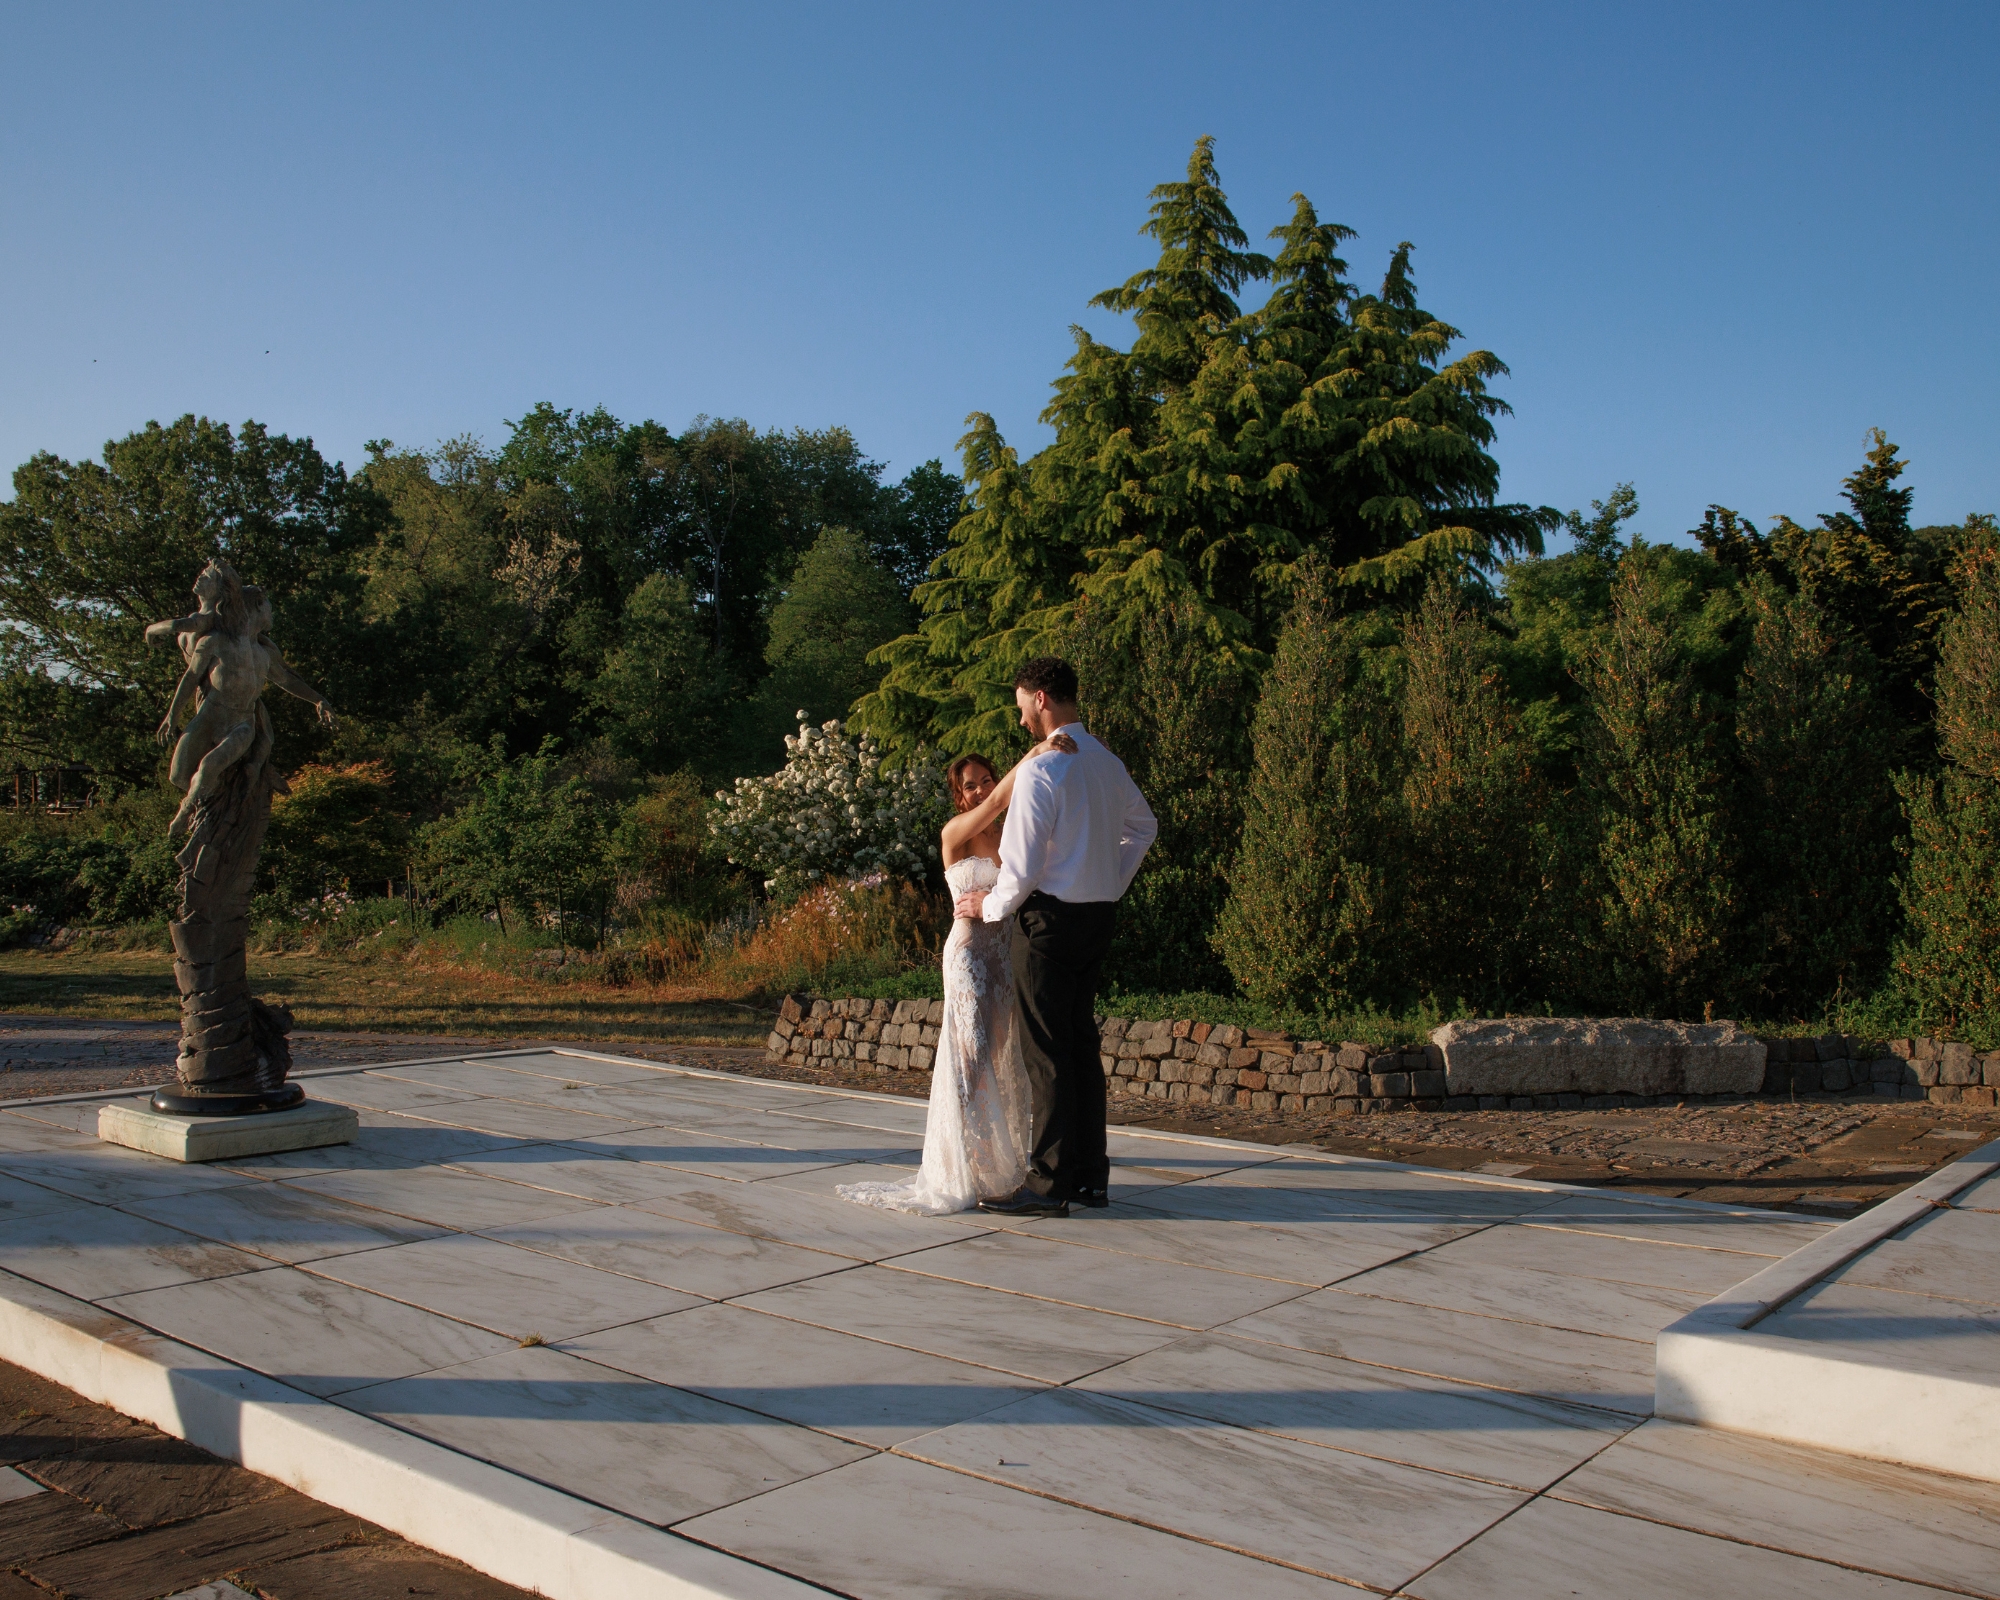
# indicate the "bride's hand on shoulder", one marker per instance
pixel 1058 741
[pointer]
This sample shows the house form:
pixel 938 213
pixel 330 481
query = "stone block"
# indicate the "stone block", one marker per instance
pixel 920 1058
pixel 1924 1049
pixel 843 1049
pixel 1389 1085
pixel 1944 1094
pixel 784 1028
pixel 1144 1071
pixel 1353 1057
pixel 1957 1065
pixel 1570 1102
pixel 1229 1036
pixel 1903 1047
pixel 1313 1083
pixel 1885 1069
pixel 1558 1055
pixel 1346 1105
pixel 864 1051
pixel 1172 1071
pixel 1990 1070
pixel 1778 1075
pixel 1186 1049
pixel 777 1044
pixel 1199 1075
pixel 1829 1047
pixel 1181 1030
pixel 820 1009
pixel 1835 1077
pixel 1978 1097
pixel 307 1126
pixel 1241 1058
pixel 1249 1078
pixel 929 1035
pixel 1427 1083
pixel 1112 1028
pixel 1212 1055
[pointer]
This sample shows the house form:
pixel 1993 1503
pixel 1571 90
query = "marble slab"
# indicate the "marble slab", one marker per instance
pixel 444 1196
pixel 1981 1196
pixel 1580 1368
pixel 310 1125
pixel 650 1451
pixel 78 1116
pixel 1262 1495
pixel 1339 1184
pixel 1750 1232
pixel 863 1233
pixel 314 1334
pixel 1921 1526
pixel 384 1140
pixel 510 1291
pixel 1549 1549
pixel 1515 1440
pixel 1525 1294
pixel 1049 1269
pixel 282 1222
pixel 1309 1254
pixel 667 1250
pixel 373 1092
pixel 692 1150
pixel 564 1067
pixel 906 1118
pixel 21 1199
pixel 1885 1328
pixel 585 1171
pixel 1591 1255
pixel 92 1252
pixel 1231 1197
pixel 850 1387
pixel 109 1174
pixel 893 1529
pixel 1027 1338
pixel 527 1119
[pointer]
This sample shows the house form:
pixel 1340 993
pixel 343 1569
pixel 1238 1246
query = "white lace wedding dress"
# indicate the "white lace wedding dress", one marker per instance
pixel 976 1136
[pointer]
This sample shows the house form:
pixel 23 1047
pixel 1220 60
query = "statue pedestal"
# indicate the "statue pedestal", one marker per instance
pixel 263 1133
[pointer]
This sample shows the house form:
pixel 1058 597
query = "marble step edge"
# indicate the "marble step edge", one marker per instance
pixel 504 1525
pixel 1712 1368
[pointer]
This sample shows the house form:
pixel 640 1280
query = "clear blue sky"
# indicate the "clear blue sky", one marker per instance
pixel 1714 243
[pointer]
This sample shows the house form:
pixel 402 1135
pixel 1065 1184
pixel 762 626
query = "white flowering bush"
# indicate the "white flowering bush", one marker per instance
pixel 832 813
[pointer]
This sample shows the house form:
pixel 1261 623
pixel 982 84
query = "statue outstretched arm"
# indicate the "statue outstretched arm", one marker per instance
pixel 195 622
pixel 288 680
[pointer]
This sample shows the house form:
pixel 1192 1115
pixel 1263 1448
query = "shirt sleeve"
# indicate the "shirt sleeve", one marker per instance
pixel 1135 836
pixel 1024 842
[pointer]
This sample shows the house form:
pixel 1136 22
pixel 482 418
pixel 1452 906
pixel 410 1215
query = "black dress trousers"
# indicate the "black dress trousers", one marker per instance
pixel 1059 949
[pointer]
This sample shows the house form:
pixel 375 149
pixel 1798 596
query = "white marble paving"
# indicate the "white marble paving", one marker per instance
pixel 646 1449
pixel 467 1201
pixel 1257 1373
pixel 1550 1549
pixel 518 1293
pixel 1581 1368
pixel 1527 1294
pixel 1256 1493
pixel 317 1335
pixel 1009 1333
pixel 1873 1515
pixel 1517 1440
pixel 91 1252
pixel 851 1387
pixel 894 1529
pixel 284 1222
pixel 1049 1269
pixel 709 1262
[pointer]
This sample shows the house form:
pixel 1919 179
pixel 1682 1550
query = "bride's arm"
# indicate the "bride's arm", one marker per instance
pixel 969 825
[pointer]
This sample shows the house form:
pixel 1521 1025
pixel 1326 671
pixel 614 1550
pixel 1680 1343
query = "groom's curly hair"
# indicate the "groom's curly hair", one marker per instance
pixel 1049 675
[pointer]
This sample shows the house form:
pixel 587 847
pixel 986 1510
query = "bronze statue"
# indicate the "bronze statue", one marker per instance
pixel 234 1056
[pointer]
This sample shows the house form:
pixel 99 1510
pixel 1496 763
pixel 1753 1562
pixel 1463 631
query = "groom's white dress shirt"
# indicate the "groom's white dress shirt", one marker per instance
pixel 1077 828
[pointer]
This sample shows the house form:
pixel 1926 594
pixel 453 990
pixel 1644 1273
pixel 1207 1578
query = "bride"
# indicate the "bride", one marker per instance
pixel 976 1135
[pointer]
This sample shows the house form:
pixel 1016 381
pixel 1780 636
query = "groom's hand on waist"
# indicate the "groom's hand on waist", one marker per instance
pixel 971 904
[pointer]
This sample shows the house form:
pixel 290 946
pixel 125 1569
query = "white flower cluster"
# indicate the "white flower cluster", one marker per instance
pixel 832 812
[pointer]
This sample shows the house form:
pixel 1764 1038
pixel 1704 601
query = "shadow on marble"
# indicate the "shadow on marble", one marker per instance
pixel 283 1222
pixel 1527 1294
pixel 1886 1328
pixel 648 1450
pixel 94 1252
pixel 851 1387
pixel 708 1262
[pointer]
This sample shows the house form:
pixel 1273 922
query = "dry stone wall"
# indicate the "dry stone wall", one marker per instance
pixel 1219 1064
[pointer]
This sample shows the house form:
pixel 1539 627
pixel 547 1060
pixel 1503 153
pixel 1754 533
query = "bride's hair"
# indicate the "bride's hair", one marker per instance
pixel 955 776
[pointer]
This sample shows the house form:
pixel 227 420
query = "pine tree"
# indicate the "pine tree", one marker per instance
pixel 1819 820
pixel 1471 795
pixel 1665 848
pixel 1948 961
pixel 1173 712
pixel 1313 903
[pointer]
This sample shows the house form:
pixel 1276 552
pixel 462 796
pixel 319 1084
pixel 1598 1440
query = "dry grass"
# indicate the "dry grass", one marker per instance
pixel 391 995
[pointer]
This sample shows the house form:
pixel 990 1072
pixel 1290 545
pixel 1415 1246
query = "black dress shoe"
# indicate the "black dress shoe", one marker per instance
pixel 1025 1203
pixel 1096 1199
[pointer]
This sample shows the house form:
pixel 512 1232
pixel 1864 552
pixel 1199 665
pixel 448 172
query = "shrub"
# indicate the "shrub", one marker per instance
pixel 108 865
pixel 1313 898
pixel 337 828
pixel 1951 884
pixel 836 936
pixel 833 811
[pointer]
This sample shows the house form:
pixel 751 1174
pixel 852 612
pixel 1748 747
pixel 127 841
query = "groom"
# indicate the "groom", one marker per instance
pixel 1076 833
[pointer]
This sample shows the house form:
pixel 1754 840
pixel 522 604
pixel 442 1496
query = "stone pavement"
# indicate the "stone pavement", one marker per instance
pixel 1258 1372
pixel 94 1504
